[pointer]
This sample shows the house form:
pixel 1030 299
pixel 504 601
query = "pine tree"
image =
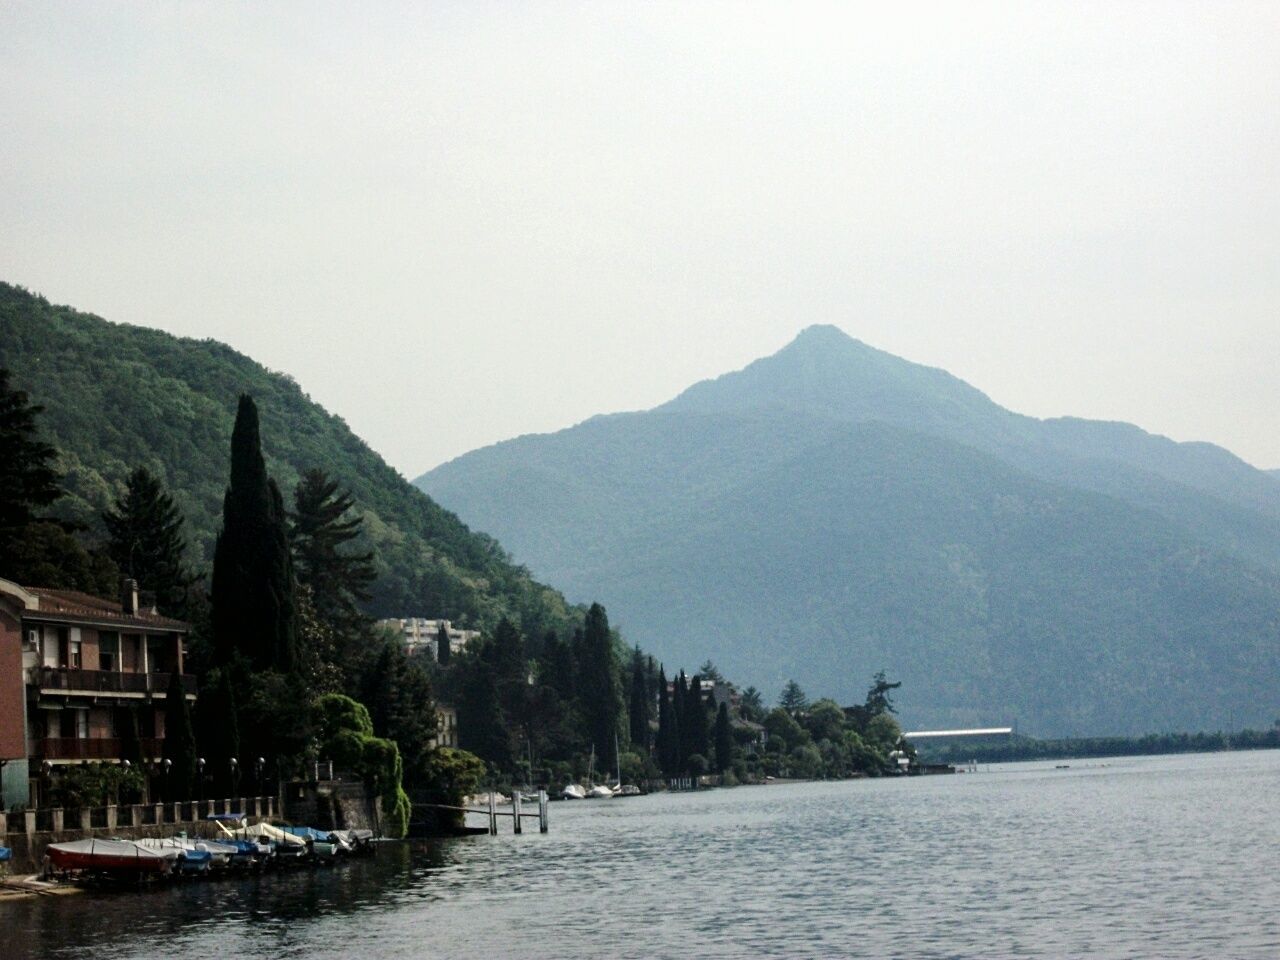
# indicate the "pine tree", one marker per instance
pixel 724 739
pixel 319 528
pixel 179 741
pixel 28 481
pixel 252 593
pixel 793 699
pixel 147 544
pixel 638 708
pixel 600 691
pixel 36 551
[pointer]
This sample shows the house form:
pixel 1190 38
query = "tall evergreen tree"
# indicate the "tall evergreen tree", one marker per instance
pixel 793 699
pixel 723 739
pixel 146 542
pixel 695 717
pixel 252 592
pixel 320 526
pixel 179 741
pixel 638 707
pixel 443 651
pixel 680 704
pixel 28 481
pixel 668 734
pixel 599 689
pixel 218 729
pixel 33 550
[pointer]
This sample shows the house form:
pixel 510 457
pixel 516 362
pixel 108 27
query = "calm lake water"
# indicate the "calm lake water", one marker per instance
pixel 1151 857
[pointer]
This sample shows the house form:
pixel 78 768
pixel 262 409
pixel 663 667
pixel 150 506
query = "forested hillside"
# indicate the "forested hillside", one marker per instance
pixel 833 510
pixel 118 397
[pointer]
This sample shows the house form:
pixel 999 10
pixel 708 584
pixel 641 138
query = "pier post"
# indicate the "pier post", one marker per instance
pixel 111 816
pixel 135 815
pixel 515 808
pixel 542 811
pixel 57 817
pixel 493 813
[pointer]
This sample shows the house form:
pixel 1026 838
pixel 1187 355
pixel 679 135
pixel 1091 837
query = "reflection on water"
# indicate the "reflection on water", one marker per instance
pixel 1169 857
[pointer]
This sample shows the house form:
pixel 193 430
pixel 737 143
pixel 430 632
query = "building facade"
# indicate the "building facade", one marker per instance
pixel 420 635
pixel 89 673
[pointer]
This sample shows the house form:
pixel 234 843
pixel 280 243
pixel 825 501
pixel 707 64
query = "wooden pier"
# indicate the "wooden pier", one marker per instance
pixel 517 815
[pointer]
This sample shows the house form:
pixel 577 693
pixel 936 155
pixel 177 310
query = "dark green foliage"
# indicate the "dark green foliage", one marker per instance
pixel 793 699
pixel 171 404
pixel 723 739
pixel 35 550
pixel 599 681
pixel 94 785
pixel 695 721
pixel 252 595
pixel 321 528
pixel 218 730
pixel 28 481
pixel 481 726
pixel 145 540
pixel 179 742
pixel 638 705
pixel 668 732
pixel 444 652
pixel 345 735
pixel 679 706
pixel 752 705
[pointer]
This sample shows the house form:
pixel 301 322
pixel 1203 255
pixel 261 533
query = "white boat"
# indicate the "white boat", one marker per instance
pixel 573 791
pixel 599 792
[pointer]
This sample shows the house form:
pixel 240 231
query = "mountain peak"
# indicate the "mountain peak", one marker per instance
pixel 825 372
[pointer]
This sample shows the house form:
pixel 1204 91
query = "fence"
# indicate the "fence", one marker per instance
pixel 115 816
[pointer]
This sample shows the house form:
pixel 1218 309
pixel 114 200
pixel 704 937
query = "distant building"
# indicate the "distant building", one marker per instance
pixel 446 725
pixel 72 668
pixel 420 635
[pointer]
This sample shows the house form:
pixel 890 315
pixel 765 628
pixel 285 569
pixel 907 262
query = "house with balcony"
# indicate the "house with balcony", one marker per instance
pixel 75 672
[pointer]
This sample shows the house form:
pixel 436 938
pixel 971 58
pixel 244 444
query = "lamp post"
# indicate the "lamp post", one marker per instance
pixel 235 773
pixel 200 776
pixel 259 766
pixel 165 766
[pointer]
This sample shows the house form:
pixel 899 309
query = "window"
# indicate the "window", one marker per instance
pixel 82 724
pixel 73 651
pixel 109 651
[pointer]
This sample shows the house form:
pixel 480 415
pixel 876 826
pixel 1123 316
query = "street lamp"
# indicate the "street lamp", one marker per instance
pixel 200 776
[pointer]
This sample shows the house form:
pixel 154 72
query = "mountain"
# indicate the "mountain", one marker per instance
pixel 832 510
pixel 117 397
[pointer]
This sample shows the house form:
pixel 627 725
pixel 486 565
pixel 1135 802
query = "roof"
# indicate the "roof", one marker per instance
pixel 76 607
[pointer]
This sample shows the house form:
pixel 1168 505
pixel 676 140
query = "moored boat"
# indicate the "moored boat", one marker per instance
pixel 573 791
pixel 115 857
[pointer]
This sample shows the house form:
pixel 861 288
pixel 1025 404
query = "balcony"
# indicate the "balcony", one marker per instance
pixel 66 680
pixel 101 748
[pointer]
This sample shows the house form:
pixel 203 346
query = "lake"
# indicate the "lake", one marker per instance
pixel 1137 857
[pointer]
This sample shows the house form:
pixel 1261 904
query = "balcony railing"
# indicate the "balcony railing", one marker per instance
pixel 90 748
pixel 108 681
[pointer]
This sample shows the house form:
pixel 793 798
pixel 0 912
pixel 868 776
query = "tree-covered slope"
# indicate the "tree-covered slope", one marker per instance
pixel 821 526
pixel 118 397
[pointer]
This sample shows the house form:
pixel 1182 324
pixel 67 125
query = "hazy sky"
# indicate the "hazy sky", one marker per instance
pixel 456 223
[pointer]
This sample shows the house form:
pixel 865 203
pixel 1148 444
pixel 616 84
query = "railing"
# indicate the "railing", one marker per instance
pixel 91 748
pixel 108 681
pixel 189 813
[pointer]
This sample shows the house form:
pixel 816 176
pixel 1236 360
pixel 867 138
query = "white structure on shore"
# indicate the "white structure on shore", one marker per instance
pixel 421 636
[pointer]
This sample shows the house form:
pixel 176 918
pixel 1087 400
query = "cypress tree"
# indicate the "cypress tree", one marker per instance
pixel 724 739
pixel 443 651
pixel 218 724
pixel 668 734
pixel 680 704
pixel 598 681
pixel 179 741
pixel 146 542
pixel 695 717
pixel 252 592
pixel 638 712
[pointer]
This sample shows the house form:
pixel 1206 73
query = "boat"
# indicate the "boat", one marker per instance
pixel 110 857
pixel 573 791
pixel 599 792
pixel 621 789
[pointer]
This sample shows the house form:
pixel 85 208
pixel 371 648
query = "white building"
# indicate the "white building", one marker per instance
pixel 420 635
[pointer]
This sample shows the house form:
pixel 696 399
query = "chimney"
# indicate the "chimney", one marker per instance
pixel 129 596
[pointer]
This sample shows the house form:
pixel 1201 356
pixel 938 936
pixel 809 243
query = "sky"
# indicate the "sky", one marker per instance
pixel 455 223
